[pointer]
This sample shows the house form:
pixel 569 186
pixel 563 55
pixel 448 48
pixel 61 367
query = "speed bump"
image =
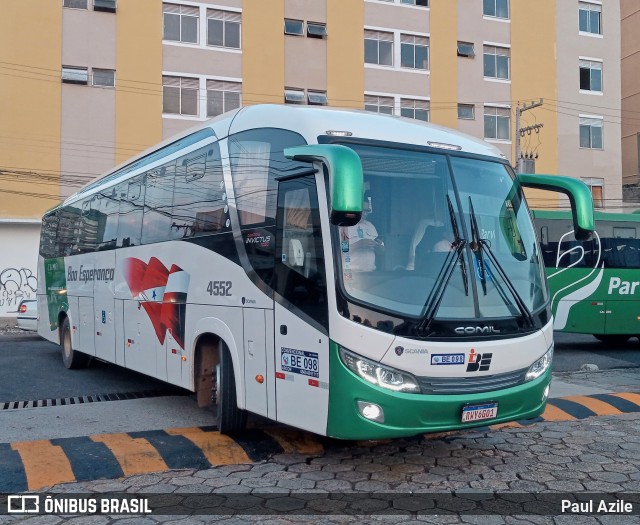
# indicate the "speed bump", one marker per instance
pixel 34 465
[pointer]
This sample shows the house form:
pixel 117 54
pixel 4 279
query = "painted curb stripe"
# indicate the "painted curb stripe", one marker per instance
pixel 621 404
pixel 135 455
pixel 33 465
pixel 296 441
pixel 577 410
pixel 44 463
pixel 599 407
pixel 177 451
pixel 553 413
pixel 89 460
pixel 634 398
pixel 217 448
pixel 13 477
pixel 258 445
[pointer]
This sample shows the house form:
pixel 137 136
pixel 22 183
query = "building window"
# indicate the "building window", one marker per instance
pixel 75 4
pixel 466 49
pixel 496 62
pixel 416 109
pixel 294 96
pixel 590 75
pixel 222 96
pixel 420 3
pixel 596 186
pixel 414 52
pixel 103 77
pixel 590 18
pixel 317 98
pixel 497 123
pixel 180 23
pixel 223 28
pixel 496 8
pixel 315 30
pixel 180 95
pixel 378 48
pixel 106 6
pixel 378 104
pixel 75 75
pixel 591 132
pixel 293 27
pixel 466 112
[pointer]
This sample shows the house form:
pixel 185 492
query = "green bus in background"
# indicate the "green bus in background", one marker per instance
pixel 594 285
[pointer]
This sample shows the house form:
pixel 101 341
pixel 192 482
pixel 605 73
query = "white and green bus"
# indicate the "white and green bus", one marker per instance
pixel 229 261
pixel 594 283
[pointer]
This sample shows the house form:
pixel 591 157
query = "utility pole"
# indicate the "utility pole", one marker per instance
pixel 521 131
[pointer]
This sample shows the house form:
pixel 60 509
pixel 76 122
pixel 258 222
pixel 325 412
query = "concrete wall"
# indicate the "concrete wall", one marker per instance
pixel 18 264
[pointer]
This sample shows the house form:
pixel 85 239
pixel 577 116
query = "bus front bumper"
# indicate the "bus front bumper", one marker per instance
pixel 410 414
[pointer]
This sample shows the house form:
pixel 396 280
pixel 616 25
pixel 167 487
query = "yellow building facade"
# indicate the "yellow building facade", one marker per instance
pixel 94 82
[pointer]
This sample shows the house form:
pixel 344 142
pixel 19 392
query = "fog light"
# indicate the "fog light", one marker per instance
pixel 371 411
pixel 545 394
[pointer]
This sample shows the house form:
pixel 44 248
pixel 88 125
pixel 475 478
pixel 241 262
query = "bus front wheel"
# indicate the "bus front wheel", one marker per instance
pixel 231 419
pixel 617 339
pixel 71 358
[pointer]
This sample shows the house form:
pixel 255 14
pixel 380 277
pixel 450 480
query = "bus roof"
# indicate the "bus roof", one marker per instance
pixel 598 215
pixel 310 122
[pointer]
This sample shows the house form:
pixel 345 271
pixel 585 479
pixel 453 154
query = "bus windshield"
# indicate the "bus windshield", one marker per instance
pixel 442 236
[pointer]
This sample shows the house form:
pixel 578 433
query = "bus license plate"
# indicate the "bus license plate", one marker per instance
pixel 479 412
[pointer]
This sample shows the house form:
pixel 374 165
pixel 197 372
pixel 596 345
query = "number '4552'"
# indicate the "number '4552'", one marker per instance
pixel 219 288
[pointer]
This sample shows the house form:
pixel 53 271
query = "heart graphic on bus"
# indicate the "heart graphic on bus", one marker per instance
pixel 162 293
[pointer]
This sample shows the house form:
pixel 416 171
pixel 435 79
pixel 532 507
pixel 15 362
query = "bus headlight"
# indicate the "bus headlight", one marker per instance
pixel 377 374
pixel 540 366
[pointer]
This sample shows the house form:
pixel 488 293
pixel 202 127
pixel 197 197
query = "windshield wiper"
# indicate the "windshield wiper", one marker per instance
pixel 476 247
pixel 446 271
pixel 480 247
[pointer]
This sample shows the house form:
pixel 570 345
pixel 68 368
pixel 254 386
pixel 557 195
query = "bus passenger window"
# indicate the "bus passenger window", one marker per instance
pixel 199 196
pixel 158 197
pixel 130 220
pixel 257 159
pixel 107 217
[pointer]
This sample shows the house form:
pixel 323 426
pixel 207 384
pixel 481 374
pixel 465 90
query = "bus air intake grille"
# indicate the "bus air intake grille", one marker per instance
pixel 471 385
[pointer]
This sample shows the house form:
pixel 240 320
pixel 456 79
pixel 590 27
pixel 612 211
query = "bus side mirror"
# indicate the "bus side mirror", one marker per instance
pixel 346 182
pixel 579 196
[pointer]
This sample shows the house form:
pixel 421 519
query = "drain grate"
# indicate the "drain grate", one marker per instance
pixel 93 398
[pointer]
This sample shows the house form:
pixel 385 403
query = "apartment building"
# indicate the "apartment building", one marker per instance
pixel 630 22
pixel 94 82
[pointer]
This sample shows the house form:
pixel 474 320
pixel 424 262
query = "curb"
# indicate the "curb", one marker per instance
pixel 34 465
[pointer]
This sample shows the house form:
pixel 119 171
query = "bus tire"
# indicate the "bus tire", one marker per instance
pixel 612 339
pixel 72 359
pixel 231 419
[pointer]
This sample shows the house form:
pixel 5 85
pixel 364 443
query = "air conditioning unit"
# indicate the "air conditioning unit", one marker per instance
pixel 107 6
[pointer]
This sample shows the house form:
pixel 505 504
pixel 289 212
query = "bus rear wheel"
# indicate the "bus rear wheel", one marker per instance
pixel 231 419
pixel 71 358
pixel 612 339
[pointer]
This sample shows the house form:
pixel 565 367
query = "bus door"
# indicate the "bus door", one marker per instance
pixel 103 307
pixel 104 210
pixel 300 309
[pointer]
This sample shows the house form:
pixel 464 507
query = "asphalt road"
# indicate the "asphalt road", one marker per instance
pixel 574 350
pixel 31 368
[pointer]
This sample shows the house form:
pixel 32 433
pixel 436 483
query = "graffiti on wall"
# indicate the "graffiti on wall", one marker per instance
pixel 16 285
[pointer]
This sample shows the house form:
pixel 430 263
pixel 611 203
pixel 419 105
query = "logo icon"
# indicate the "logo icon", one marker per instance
pixel 243 300
pixel 399 350
pixel 29 504
pixel 479 362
